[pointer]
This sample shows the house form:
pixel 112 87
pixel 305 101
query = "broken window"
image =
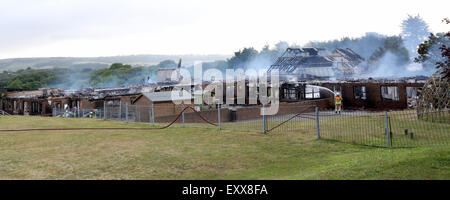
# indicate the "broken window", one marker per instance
pixel 290 93
pixel 389 93
pixel 360 92
pixel 412 92
pixel 312 92
pixel 337 89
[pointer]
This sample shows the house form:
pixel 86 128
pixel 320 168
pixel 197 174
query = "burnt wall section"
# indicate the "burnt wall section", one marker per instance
pixel 362 95
pixel 372 98
pixel 242 113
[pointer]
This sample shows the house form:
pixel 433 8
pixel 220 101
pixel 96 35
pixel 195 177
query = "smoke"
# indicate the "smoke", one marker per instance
pixel 78 79
pixel 365 46
pixel 259 62
pixel 389 67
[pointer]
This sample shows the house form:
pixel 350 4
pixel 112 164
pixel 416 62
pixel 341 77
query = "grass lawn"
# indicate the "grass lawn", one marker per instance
pixel 199 153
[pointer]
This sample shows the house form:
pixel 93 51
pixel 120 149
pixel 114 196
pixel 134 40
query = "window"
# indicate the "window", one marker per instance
pixel 412 92
pixel 290 93
pixel 312 92
pixel 360 92
pixel 337 89
pixel 389 93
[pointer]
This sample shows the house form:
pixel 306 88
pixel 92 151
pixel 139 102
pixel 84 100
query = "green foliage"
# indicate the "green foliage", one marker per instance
pixel 241 57
pixel 394 45
pixel 429 51
pixel 414 31
pixel 30 79
pixel 364 46
pixel 116 66
pixel 244 58
pixel 435 51
pixel 15 64
pixel 167 64
pixel 220 65
pixel 117 74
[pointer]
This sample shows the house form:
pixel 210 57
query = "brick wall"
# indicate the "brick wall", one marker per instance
pixel 192 117
pixel 245 113
pixel 374 100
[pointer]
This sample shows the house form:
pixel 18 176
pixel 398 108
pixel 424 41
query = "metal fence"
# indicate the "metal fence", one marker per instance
pixel 405 128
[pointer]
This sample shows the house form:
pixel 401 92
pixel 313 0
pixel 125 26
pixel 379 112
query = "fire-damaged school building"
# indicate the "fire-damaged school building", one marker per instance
pixel 305 75
pixel 368 94
pixel 360 95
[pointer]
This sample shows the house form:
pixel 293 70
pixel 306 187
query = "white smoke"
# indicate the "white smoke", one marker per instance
pixel 388 67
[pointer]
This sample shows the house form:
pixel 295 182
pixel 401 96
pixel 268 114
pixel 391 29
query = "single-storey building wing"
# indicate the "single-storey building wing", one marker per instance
pixel 162 102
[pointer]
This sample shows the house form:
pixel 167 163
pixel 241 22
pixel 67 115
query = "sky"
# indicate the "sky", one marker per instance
pixel 75 28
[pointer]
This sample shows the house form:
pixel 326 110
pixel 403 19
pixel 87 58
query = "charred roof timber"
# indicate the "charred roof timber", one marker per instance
pixel 307 64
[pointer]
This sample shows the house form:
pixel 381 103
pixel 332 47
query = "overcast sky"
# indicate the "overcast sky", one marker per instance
pixel 41 28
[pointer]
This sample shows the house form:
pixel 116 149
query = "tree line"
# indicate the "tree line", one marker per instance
pixel 415 43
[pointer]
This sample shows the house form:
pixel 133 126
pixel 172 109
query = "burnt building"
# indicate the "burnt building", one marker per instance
pixel 309 64
pixel 45 101
pixel 34 102
pixel 376 95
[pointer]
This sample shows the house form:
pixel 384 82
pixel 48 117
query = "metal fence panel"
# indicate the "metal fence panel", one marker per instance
pixel 405 128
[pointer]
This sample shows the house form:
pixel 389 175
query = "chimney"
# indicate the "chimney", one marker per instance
pixel 178 70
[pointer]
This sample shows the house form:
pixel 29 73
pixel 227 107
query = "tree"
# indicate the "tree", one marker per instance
pixel 281 46
pixel 414 31
pixel 394 45
pixel 434 52
pixel 444 65
pixel 16 84
pixel 119 65
pixel 167 64
pixel 364 46
pixel 242 57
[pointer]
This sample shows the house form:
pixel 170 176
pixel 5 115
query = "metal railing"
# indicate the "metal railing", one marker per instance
pixel 405 128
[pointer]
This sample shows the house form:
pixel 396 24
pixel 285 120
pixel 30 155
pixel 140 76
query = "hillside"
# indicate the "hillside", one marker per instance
pixel 14 64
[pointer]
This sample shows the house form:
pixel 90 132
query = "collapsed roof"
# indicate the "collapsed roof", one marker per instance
pixel 307 63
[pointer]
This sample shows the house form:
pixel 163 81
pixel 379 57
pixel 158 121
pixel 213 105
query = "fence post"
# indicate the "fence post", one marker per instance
pixel 317 123
pixel 153 115
pixel 218 115
pixel 139 113
pixel 264 119
pixel 387 129
pixel 126 111
pixel 104 109
pixel 182 114
pixel 135 113
pixel 120 111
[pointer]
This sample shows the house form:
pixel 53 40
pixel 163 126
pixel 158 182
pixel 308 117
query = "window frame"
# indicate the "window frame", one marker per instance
pixel 362 92
pixel 396 95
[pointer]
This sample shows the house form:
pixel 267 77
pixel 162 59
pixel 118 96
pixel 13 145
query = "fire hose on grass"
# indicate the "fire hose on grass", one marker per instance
pixel 154 128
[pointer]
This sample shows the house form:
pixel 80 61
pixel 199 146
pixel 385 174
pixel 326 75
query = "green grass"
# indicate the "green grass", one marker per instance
pixel 366 129
pixel 199 153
